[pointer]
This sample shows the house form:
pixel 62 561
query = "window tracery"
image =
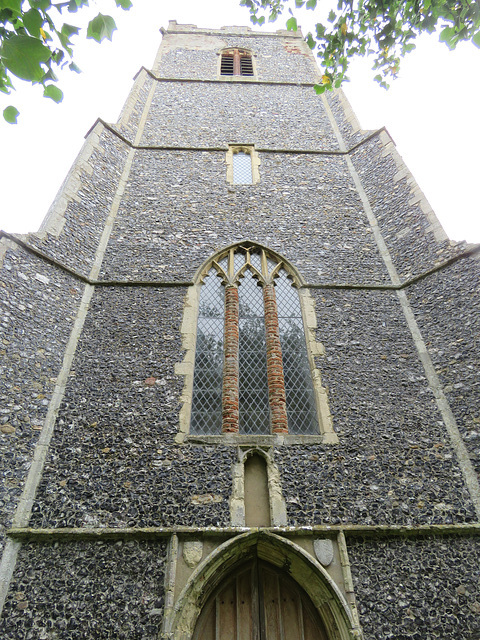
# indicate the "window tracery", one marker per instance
pixel 252 372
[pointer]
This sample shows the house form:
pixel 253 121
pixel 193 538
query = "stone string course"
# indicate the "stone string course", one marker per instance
pixel 37 307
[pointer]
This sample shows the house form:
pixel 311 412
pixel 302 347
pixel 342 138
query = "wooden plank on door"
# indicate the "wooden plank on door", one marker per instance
pixel 226 613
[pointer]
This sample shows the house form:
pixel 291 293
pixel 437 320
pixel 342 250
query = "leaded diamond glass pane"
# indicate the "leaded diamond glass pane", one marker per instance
pixel 254 410
pixel 301 410
pixel 238 261
pixel 256 261
pixel 207 381
pixel 242 168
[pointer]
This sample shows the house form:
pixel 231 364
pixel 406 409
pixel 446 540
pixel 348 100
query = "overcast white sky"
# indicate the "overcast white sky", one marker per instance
pixel 431 111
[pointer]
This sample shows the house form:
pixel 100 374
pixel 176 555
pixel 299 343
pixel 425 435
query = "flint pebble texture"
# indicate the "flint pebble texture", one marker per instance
pixel 37 307
pixel 268 116
pixel 394 463
pixel 180 209
pixel 83 590
pixel 420 589
pixel 112 461
pixel 189 62
pixel 133 109
pixel 404 226
pixel 446 309
pixel 351 136
pixel 88 208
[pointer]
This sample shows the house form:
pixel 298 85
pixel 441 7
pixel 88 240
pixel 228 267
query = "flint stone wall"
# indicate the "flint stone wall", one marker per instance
pixel 394 463
pixel 447 310
pixel 87 209
pixel 38 304
pixel 112 459
pixel 196 56
pixel 420 589
pixel 180 209
pixel 84 590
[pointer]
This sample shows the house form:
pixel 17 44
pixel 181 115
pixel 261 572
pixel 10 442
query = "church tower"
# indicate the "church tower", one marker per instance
pixel 240 393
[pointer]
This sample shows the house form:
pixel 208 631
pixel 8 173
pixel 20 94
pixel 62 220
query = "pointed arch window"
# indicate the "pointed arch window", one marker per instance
pixel 252 372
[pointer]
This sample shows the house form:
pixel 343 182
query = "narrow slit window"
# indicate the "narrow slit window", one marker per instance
pixel 242 168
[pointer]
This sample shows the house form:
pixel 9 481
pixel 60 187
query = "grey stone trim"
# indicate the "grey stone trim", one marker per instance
pixel 54 221
pixel 324 152
pixel 418 197
pixel 7 567
pixel 348 582
pixel 22 534
pixel 245 32
pixel 170 577
pixel 468 472
pixel 473 251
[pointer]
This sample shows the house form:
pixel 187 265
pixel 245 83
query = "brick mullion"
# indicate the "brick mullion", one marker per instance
pixel 276 381
pixel 230 366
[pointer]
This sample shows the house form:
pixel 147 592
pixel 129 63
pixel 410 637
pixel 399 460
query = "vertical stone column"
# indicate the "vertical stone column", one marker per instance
pixel 276 382
pixel 230 366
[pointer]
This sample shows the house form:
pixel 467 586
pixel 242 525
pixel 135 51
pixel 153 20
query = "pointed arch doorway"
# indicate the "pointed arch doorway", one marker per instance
pixel 259 602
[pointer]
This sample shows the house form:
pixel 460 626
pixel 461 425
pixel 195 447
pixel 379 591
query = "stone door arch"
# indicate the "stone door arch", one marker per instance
pixel 320 597
pixel 259 602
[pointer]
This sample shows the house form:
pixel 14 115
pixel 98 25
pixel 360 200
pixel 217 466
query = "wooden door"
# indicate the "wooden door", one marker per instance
pixel 259 602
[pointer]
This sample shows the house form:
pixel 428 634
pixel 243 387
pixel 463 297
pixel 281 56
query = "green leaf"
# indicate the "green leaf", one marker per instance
pixel 319 88
pixel 331 16
pixel 69 30
pixel 476 39
pixel 11 114
pixel 311 4
pixel 53 92
pixel 292 24
pixel 103 27
pixel 14 5
pixel 299 3
pixel 22 55
pixel 73 67
pixel 447 36
pixel 124 4
pixel 33 21
pixel 310 41
pixel 40 4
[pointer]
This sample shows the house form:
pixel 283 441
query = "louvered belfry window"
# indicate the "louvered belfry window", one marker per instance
pixel 252 374
pixel 236 62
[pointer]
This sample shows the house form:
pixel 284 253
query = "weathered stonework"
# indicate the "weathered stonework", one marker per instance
pixel 116 522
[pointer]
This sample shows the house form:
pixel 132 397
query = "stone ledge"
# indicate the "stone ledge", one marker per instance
pixel 150 533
